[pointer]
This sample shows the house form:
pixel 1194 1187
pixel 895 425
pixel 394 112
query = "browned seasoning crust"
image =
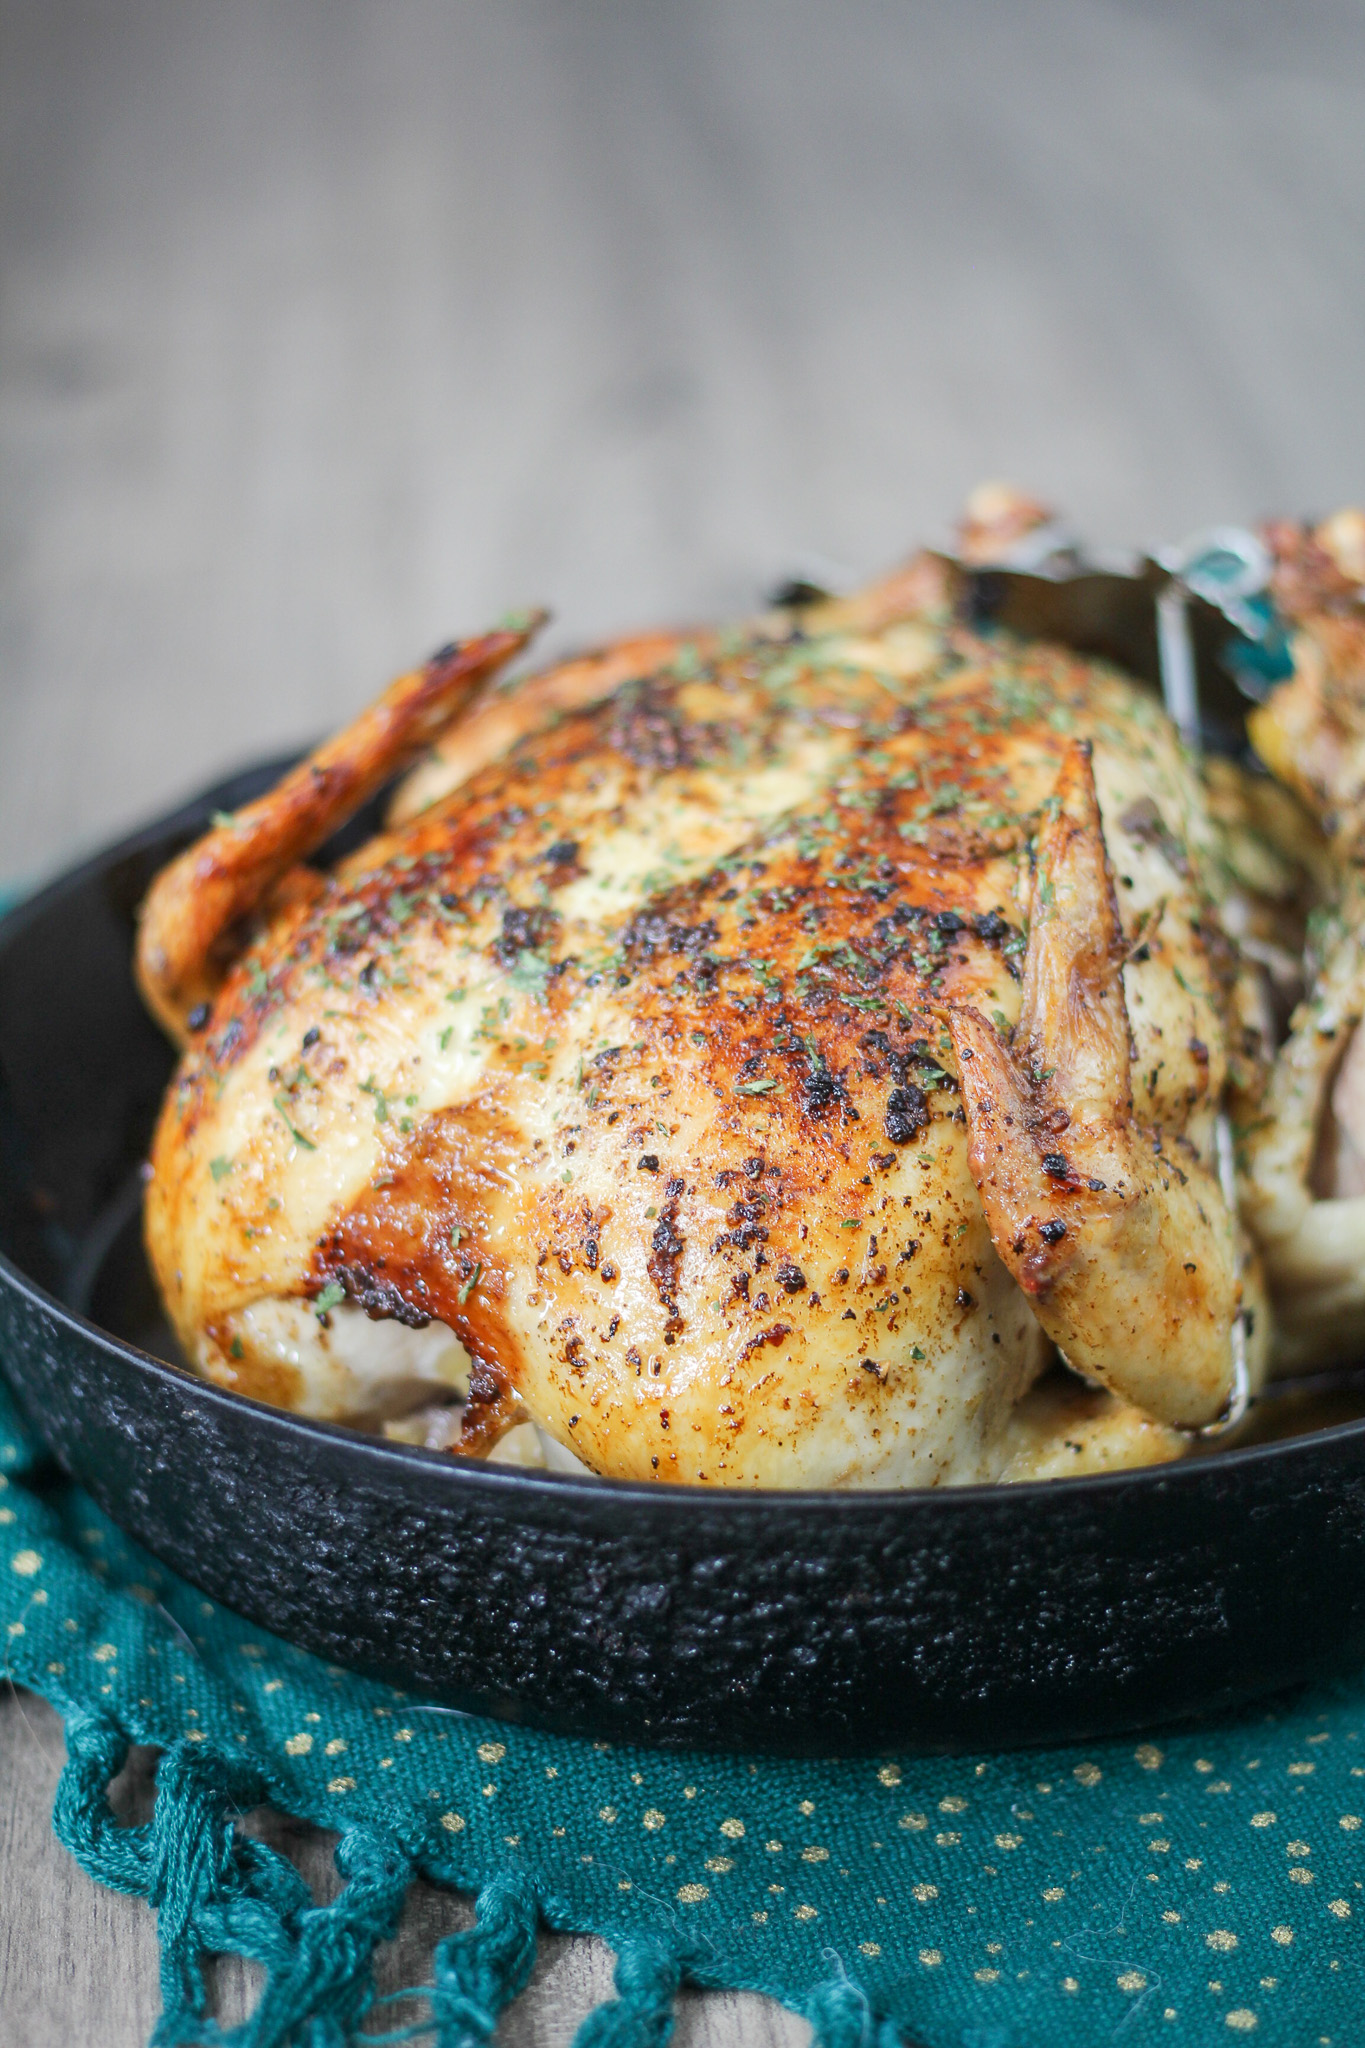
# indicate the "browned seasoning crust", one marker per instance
pixel 632 1060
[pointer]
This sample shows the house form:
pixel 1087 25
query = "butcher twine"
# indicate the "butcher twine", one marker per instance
pixel 1196 1888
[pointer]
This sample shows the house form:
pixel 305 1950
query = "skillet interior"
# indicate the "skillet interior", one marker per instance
pixel 954 1620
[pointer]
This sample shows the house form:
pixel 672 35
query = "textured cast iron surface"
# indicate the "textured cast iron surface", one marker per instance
pixel 954 1619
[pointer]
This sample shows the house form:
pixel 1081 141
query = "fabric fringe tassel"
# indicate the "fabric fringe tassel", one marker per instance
pixel 842 2016
pixel 218 1892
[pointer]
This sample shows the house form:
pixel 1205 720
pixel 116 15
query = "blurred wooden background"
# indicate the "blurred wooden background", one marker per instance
pixel 331 327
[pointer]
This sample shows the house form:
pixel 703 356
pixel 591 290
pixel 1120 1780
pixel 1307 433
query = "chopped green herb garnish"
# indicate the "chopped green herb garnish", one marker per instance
pixel 530 973
pixel 295 1133
pixel 756 1087
pixel 220 1167
pixel 332 1295
pixel 470 1284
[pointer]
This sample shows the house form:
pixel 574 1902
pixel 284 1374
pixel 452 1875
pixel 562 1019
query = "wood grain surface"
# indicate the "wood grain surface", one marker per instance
pixel 329 328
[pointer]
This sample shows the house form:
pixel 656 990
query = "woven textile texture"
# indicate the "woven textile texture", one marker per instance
pixel 1198 1887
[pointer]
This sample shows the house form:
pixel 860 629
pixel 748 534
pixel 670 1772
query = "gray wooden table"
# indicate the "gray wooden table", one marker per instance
pixel 331 327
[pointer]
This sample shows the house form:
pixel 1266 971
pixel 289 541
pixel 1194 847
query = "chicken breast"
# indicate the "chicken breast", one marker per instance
pixel 746 1067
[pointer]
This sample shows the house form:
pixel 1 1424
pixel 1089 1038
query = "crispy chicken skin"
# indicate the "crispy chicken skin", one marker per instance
pixel 688 1067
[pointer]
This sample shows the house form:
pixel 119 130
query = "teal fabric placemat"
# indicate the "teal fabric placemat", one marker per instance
pixel 1202 1886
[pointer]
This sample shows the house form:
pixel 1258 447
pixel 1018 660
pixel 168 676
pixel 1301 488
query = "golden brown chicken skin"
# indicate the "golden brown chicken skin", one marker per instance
pixel 633 1068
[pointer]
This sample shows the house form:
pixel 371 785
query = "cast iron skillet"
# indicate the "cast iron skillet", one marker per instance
pixel 819 1622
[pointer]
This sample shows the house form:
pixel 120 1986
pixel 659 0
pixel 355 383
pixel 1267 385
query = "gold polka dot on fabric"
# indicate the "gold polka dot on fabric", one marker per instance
pixel 734 1829
pixel 1221 1938
pixel 652 1819
pixel 1087 1774
pixel 1131 1980
pixel 924 1891
pixel 805 1913
pixel 890 1774
pixel 341 1784
pixel 298 1745
pixel 693 1894
pixel 1242 2020
pixel 931 1957
pixel 869 1948
pixel 1340 1909
pixel 453 1823
pixel 492 1752
pixel 26 1563
pixel 1263 1820
pixel 1282 1936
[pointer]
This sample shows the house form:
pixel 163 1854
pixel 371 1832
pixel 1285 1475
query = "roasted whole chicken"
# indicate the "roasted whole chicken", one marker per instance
pixel 790 1056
